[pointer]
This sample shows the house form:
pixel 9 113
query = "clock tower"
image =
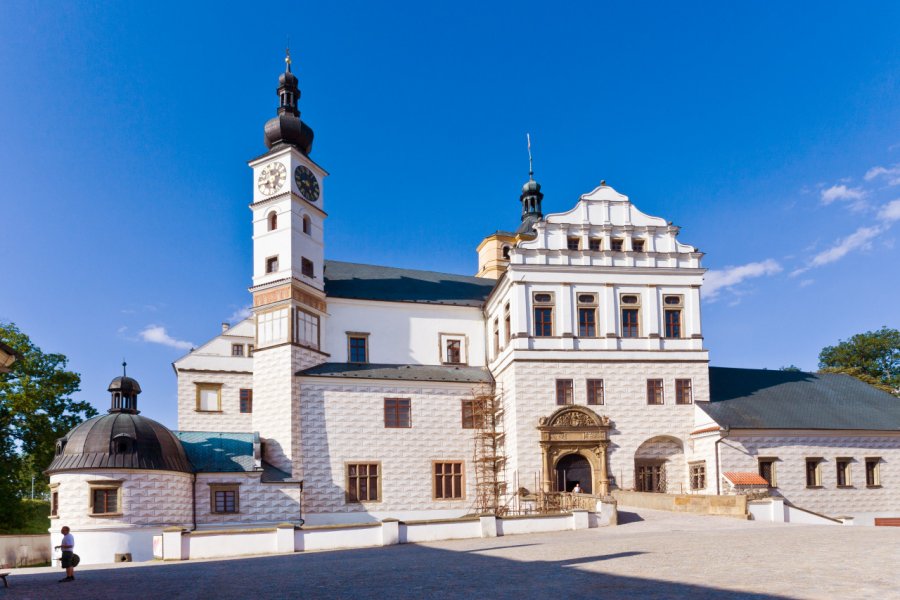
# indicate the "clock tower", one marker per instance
pixel 288 274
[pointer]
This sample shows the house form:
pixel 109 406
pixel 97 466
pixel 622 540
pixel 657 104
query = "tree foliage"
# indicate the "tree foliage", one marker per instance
pixel 36 408
pixel 873 357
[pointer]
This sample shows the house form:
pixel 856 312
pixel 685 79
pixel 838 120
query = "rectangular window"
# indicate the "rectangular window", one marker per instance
pixel 507 324
pixel 617 244
pixel 209 397
pixel 595 391
pixel 637 245
pixel 449 481
pixel 272 264
pixel 843 472
pixel 813 472
pixel 272 327
pixel 595 244
pixel 224 499
pixel 306 267
pixel 655 391
pixel 564 392
pixel 454 351
pixel 543 321
pixel 363 482
pixel 54 503
pixel 683 393
pixel 496 337
pixel 397 412
pixel 472 417
pixel 306 330
pixel 767 470
pixel 104 500
pixel 573 243
pixel 358 351
pixel 249 349
pixel 246 401
pixel 587 322
pixel 873 474
pixel 237 349
pixel 698 475
pixel 673 323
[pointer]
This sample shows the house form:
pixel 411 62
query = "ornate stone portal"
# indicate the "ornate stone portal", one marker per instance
pixel 575 430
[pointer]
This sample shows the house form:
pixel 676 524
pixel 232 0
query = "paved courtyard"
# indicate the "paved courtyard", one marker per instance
pixel 652 555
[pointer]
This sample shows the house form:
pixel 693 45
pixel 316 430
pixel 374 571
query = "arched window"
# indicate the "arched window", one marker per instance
pixel 506 252
pixel 307 225
pixel 273 220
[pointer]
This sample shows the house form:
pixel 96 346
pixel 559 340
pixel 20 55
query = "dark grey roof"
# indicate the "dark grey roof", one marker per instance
pixel 120 440
pixel 461 374
pixel 389 284
pixel 762 399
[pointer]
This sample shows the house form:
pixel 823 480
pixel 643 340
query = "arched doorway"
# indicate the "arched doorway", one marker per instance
pixel 659 465
pixel 573 469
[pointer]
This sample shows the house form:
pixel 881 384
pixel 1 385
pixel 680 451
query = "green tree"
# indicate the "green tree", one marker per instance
pixel 873 357
pixel 36 408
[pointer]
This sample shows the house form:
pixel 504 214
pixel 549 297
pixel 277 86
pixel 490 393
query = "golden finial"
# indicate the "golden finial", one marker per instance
pixel 287 58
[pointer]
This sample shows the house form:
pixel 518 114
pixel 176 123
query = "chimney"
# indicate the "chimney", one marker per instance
pixel 225 327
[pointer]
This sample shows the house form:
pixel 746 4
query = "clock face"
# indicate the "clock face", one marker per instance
pixel 307 183
pixel 271 178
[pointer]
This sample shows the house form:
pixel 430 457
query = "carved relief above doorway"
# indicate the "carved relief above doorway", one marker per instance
pixel 574 430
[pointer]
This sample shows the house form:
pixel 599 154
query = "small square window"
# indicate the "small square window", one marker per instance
pixel 637 245
pixel 246 397
pixel 564 392
pixel 655 391
pixel 617 244
pixel 363 482
pixel 224 499
pixel 237 349
pixel 449 482
pixel 209 397
pixel 595 244
pixel 397 413
pixel 272 264
pixel 306 267
pixel 105 500
pixel 573 243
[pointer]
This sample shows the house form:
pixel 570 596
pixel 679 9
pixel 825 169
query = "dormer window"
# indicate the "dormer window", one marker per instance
pixel 60 446
pixel 273 220
pixel 573 243
pixel 595 244
pixel 121 444
pixel 617 244
pixel 637 245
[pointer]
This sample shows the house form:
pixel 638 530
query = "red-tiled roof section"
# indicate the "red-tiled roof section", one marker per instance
pixel 738 478
pixel 706 429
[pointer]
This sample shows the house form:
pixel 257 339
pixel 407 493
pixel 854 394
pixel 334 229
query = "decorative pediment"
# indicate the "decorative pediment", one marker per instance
pixel 574 416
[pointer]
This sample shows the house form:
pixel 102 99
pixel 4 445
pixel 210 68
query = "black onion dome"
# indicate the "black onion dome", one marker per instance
pixel 125 385
pixel 120 440
pixel 286 129
pixel 531 187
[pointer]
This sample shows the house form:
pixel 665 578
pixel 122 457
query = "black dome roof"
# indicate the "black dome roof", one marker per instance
pixel 120 440
pixel 124 384
pixel 288 130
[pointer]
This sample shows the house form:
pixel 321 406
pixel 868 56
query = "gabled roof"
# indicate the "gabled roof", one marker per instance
pixel 744 478
pixel 460 374
pixel 389 284
pixel 763 399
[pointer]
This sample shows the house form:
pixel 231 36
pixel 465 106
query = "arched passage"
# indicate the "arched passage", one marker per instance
pixel 574 440
pixel 659 465
pixel 574 469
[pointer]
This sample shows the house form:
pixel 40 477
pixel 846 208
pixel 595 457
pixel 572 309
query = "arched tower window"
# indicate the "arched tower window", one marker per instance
pixel 307 225
pixel 506 252
pixel 273 220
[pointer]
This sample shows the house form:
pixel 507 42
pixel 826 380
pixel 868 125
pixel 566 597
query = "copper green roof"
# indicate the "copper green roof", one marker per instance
pixel 389 284
pixel 763 399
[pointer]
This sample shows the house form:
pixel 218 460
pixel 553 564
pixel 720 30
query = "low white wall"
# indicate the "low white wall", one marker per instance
pixel 24 550
pixel 334 537
pixel 230 543
pixel 537 524
pixel 429 531
pixel 775 510
pixel 101 546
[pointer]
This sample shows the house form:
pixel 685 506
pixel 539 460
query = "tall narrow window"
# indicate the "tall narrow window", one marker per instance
pixel 698 475
pixel 449 481
pixel 543 314
pixel 358 351
pixel 873 476
pixel 306 329
pixel 273 220
pixel 564 392
pixel 595 391
pixel 767 470
pixel 672 310
pixel 54 503
pixel 655 391
pixel 631 311
pixel 454 351
pixel 507 324
pixel 813 473
pixel 363 482
pixel 246 398
pixel 472 416
pixel 306 267
pixel 496 337
pixel 307 225
pixel 843 472
pixel 587 315
pixel 683 394
pixel 272 264
pixel 397 413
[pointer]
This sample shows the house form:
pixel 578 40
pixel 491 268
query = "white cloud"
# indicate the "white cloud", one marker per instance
pixel 841 192
pixel 859 239
pixel 807 282
pixel 890 211
pixel 239 315
pixel 716 281
pixel 891 174
pixel 156 334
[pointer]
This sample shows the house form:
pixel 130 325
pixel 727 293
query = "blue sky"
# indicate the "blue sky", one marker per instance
pixel 769 133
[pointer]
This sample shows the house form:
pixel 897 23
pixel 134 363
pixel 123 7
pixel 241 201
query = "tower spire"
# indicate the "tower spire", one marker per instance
pixel 531 195
pixel 530 162
pixel 286 128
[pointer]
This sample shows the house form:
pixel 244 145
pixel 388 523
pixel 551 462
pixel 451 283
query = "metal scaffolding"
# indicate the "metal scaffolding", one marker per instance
pixel 490 451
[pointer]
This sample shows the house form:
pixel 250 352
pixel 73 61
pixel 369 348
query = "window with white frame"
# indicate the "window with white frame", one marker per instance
pixel 453 348
pixel 272 327
pixel 306 329
pixel 209 397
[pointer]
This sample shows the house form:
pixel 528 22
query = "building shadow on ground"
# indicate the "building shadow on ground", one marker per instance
pixel 405 571
pixel 626 517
